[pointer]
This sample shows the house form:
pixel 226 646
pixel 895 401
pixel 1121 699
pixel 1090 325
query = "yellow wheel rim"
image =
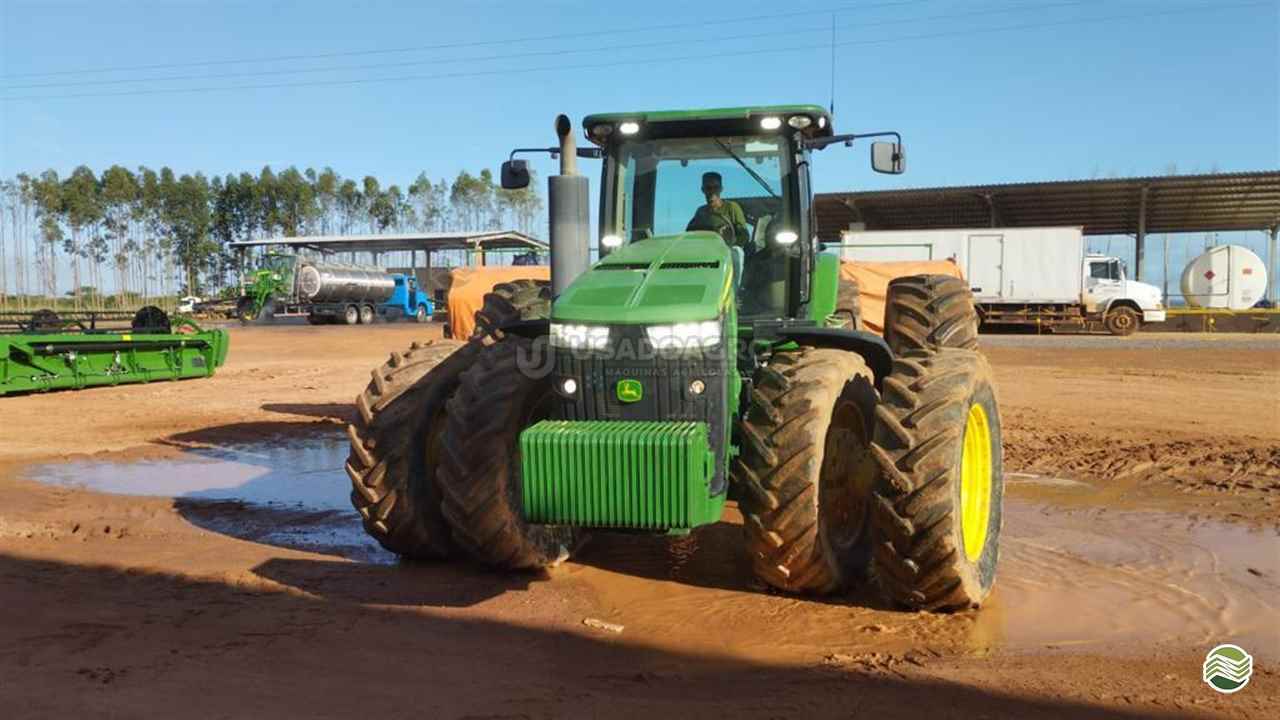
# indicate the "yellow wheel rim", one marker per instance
pixel 975 483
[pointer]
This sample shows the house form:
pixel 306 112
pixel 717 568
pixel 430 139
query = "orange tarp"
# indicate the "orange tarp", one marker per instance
pixel 466 294
pixel 471 284
pixel 873 282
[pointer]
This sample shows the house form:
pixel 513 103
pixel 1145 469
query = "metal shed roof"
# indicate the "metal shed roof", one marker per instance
pixel 496 240
pixel 1173 203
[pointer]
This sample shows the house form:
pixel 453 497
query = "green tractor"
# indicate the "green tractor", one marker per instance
pixel 273 279
pixel 712 353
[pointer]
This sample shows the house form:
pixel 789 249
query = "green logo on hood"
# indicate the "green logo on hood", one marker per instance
pixel 630 391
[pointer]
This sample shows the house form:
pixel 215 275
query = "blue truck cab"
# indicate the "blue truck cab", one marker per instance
pixel 407 301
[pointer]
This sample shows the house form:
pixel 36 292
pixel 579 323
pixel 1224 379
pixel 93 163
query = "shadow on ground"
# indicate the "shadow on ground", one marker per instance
pixel 341 412
pixel 99 641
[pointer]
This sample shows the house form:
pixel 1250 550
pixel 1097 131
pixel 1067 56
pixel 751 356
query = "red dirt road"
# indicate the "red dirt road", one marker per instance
pixel 1142 530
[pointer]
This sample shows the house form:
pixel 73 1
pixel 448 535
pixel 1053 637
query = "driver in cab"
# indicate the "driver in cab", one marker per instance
pixel 720 215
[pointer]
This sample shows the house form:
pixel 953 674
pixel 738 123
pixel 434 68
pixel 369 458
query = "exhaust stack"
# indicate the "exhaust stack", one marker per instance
pixel 567 197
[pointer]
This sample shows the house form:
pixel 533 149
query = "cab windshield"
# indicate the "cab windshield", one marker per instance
pixel 737 187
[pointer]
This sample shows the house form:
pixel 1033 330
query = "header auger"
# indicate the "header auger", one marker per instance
pixel 714 352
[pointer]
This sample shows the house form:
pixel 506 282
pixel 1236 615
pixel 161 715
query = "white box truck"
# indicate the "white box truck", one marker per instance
pixel 1024 276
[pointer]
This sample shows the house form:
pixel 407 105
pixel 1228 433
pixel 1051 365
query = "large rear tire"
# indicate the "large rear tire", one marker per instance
pixel 804 474
pixel 511 301
pixel 395 448
pixel 927 312
pixel 480 476
pixel 936 511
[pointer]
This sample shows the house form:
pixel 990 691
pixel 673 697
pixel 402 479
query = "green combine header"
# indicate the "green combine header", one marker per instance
pixel 44 351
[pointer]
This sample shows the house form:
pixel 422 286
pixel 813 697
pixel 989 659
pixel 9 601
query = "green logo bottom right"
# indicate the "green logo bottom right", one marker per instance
pixel 1227 668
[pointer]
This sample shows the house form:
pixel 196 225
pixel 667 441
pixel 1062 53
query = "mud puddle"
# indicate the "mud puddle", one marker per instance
pixel 292 493
pixel 1090 581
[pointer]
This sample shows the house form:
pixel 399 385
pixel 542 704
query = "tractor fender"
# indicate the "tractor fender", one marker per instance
pixel 531 329
pixel 870 346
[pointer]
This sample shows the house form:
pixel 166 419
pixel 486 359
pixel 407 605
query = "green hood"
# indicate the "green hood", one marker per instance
pixel 673 278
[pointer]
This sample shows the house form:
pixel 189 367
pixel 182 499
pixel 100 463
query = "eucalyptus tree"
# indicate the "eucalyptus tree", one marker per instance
pixel 294 202
pixel 119 193
pixel 188 221
pixel 351 205
pixel 81 210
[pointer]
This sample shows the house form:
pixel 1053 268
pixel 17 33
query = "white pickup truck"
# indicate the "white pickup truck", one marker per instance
pixel 1024 276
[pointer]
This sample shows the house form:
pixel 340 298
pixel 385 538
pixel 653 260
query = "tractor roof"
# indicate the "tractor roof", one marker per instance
pixel 735 120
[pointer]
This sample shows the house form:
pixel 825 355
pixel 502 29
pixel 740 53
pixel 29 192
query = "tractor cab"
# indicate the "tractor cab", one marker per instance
pixel 740 174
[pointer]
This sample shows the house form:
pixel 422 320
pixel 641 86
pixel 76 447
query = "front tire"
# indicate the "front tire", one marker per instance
pixel 937 508
pixel 1121 321
pixel 421 316
pixel 804 473
pixel 395 448
pixel 480 476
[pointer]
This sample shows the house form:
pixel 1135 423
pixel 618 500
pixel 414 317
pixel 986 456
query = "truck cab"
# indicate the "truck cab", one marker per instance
pixel 1107 290
pixel 407 301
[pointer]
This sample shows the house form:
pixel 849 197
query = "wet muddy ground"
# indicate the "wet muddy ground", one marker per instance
pixel 197 557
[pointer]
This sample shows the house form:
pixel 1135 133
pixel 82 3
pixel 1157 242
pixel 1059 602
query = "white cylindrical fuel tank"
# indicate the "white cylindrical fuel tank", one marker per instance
pixel 324 283
pixel 1227 276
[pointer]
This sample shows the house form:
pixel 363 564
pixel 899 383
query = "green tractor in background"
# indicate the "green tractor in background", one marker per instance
pixel 712 353
pixel 273 279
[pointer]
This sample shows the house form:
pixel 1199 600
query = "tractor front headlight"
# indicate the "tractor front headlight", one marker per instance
pixel 579 337
pixel 684 336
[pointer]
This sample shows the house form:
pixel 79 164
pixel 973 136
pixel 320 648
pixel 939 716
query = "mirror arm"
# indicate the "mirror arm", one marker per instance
pixel 554 152
pixel 820 143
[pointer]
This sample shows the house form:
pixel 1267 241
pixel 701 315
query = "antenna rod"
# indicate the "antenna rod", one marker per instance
pixel 833 64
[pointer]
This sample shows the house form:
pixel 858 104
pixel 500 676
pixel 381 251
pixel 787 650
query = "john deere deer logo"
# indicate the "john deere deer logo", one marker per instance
pixel 630 391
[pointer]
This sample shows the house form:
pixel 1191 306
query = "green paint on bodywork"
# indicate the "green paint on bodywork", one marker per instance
pixel 38 362
pixel 644 475
pixel 675 278
pixel 826 287
pixel 712 115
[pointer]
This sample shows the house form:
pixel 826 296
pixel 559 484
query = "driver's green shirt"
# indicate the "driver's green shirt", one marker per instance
pixel 729 213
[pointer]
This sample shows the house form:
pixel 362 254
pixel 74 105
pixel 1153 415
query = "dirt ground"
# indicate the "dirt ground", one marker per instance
pixel 1142 528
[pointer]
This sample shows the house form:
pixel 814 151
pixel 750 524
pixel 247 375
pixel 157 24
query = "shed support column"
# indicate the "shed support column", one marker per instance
pixel 992 211
pixel 1273 254
pixel 1140 251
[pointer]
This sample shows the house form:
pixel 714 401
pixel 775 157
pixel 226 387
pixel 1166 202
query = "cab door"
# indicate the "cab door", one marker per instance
pixel 1102 282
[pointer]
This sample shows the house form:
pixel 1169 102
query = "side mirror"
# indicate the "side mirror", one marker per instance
pixel 888 158
pixel 515 174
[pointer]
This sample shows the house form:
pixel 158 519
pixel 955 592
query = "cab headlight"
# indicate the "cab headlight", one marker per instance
pixel 580 337
pixel 684 336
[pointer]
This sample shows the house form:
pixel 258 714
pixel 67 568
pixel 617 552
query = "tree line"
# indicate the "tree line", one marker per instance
pixel 148 233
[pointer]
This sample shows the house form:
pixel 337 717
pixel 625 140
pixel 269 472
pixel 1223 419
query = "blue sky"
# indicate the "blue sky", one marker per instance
pixel 1123 96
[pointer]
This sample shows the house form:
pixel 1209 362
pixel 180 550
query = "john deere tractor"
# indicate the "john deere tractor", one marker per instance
pixel 711 354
